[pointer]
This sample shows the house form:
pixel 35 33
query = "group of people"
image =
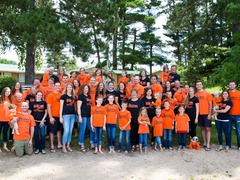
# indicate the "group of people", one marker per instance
pixel 139 107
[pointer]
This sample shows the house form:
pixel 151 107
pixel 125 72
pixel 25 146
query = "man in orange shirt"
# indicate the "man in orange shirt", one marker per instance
pixel 204 118
pixel 37 85
pixel 138 87
pixel 235 111
pixel 93 89
pixel 180 93
pixel 48 89
pixel 23 140
pixel 53 107
pixel 155 87
pixel 64 82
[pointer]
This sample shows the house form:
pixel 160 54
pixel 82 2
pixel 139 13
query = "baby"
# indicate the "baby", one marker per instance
pixel 217 101
pixel 12 109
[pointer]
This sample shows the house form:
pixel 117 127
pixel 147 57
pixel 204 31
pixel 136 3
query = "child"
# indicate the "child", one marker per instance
pixel 217 101
pixel 168 125
pixel 98 124
pixel 143 129
pixel 124 79
pixel 157 124
pixel 158 97
pixel 12 109
pixel 112 111
pixel 164 75
pixel 182 127
pixel 124 120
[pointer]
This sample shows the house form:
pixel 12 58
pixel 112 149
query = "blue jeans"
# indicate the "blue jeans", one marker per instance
pixel 85 123
pixel 39 136
pixel 167 138
pixel 223 126
pixel 4 126
pixel 111 135
pixel 121 135
pixel 68 122
pixel 97 136
pixel 236 121
pixel 158 141
pixel 182 139
pixel 143 140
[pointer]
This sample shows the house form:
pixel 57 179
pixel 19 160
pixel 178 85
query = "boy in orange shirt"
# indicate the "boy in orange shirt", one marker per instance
pixel 173 102
pixel 143 129
pixel 182 127
pixel 23 140
pixel 98 124
pixel 53 107
pixel 157 124
pixel 217 101
pixel 112 111
pixel 124 120
pixel 168 125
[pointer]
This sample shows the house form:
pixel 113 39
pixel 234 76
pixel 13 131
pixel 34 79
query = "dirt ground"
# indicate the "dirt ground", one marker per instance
pixel 152 165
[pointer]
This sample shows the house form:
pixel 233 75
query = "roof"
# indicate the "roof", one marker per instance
pixel 128 72
pixel 15 69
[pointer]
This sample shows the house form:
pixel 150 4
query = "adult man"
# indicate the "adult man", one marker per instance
pixel 180 93
pixel 204 118
pixel 235 111
pixel 50 74
pixel 23 140
pixel 93 89
pixel 173 76
pixel 138 87
pixel 37 85
pixel 156 88
pixel 53 107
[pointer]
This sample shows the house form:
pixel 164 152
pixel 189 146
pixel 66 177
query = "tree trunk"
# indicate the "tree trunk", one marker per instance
pixel 30 64
pixel 96 42
pixel 115 48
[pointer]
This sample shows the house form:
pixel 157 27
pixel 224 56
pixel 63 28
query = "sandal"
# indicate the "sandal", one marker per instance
pixel 133 148
pixel 52 150
pixel 207 149
pixel 203 146
pixel 64 150
pixel 69 149
pixel 219 149
pixel 83 149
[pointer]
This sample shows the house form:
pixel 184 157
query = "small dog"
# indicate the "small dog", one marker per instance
pixel 194 144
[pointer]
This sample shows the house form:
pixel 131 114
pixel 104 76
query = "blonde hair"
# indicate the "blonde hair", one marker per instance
pixel 72 93
pixel 143 109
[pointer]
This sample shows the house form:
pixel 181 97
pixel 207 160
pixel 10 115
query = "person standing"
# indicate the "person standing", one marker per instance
pixel 235 111
pixel 204 118
pixel 173 76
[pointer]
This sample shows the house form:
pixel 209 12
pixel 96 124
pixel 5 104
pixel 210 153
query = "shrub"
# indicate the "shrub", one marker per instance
pixel 6 81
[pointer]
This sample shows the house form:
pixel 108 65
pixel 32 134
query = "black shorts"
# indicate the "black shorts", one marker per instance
pixel 57 126
pixel 203 121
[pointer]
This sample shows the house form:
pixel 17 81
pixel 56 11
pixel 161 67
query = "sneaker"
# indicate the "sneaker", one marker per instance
pixel 43 151
pixel 36 151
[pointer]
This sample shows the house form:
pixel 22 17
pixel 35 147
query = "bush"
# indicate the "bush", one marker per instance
pixel 6 81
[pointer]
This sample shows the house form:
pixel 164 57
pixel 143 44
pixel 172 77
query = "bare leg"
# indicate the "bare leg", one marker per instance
pixel 204 136
pixel 59 138
pixel 208 136
pixel 100 149
pixel 51 140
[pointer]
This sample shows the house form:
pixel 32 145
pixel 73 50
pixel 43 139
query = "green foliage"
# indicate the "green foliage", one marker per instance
pixel 6 81
pixel 6 61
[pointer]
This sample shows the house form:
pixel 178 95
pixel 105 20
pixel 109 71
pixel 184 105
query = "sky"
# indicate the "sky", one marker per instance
pixel 160 21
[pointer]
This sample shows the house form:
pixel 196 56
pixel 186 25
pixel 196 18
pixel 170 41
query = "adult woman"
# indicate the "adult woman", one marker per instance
pixel 38 110
pixel 144 80
pixel 101 92
pixel 98 73
pixel 84 109
pixel 60 74
pixel 222 121
pixel 167 88
pixel 17 88
pixel 67 115
pixel 76 86
pixel 134 106
pixel 5 101
pixel 148 101
pixel 192 110
pixel 120 94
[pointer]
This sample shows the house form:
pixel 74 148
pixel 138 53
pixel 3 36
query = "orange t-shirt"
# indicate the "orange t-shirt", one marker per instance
pixel 47 90
pixel 156 88
pixel 204 99
pixel 164 77
pixel 54 100
pixel 217 101
pixel 182 123
pixel 24 95
pixel 235 98
pixel 123 80
pixel 98 114
pixel 180 96
pixel 87 78
pixel 40 88
pixel 25 122
pixel 99 79
pixel 157 123
pixel 123 118
pixel 112 111
pixel 157 103
pixel 143 128
pixel 18 105
pixel 4 112
pixel 45 78
pixel 168 118
pixel 93 94
pixel 60 78
pixel 128 90
pixel 173 103
pixel 140 90
pixel 81 78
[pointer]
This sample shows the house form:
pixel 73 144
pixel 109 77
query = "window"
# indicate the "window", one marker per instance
pixel 21 77
pixel 5 74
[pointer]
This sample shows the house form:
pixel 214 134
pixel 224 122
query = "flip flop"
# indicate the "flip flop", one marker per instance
pixel 219 149
pixel 52 150
pixel 207 149
pixel 203 146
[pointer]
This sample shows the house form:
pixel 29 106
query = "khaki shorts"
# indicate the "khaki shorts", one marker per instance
pixel 22 147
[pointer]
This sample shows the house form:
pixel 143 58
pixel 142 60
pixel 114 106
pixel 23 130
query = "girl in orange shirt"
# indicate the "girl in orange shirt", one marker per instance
pixel 98 73
pixel 157 124
pixel 143 129
pixel 164 75
pixel 182 127
pixel 157 97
